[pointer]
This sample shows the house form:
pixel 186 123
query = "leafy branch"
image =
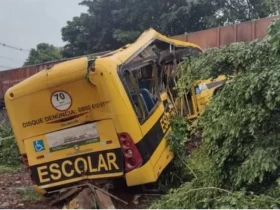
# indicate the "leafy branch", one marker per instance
pixel 238 132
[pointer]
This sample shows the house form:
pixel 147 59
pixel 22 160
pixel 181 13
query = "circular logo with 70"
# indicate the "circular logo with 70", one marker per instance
pixel 61 100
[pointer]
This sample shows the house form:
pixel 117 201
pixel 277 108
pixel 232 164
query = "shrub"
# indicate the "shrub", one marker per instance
pixel 9 155
pixel 238 162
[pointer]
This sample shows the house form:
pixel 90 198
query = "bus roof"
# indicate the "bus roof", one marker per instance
pixel 125 53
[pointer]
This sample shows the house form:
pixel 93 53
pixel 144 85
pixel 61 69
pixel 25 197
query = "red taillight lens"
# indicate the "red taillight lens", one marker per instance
pixel 131 162
pixel 129 152
pixel 132 157
pixel 126 143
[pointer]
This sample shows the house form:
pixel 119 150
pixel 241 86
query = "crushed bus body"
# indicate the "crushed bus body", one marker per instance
pixel 101 117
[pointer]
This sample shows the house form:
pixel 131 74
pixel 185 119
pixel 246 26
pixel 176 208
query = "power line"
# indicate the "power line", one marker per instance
pixel 14 48
pixel 11 59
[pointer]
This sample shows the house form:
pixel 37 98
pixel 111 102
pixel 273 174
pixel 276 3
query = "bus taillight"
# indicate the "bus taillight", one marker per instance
pixel 132 157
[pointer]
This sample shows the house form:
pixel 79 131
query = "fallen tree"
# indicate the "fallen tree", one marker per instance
pixel 238 162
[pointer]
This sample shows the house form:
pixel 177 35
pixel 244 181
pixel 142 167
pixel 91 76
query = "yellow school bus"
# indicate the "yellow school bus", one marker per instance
pixel 193 103
pixel 99 118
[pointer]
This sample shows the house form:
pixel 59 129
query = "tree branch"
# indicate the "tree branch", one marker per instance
pixel 209 188
pixel 188 167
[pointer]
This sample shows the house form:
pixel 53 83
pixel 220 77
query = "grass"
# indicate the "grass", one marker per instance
pixel 29 194
pixel 10 169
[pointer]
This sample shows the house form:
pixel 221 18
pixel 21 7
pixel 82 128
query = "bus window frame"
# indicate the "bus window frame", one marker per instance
pixel 137 92
pixel 130 68
pixel 175 53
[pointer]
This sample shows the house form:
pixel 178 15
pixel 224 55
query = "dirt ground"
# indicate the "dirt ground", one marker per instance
pixel 16 188
pixel 16 192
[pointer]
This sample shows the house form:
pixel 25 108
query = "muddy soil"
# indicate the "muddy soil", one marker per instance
pixel 12 189
pixel 13 195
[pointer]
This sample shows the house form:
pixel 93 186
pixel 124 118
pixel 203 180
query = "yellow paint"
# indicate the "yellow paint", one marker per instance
pixel 142 175
pixel 42 173
pixel 202 99
pixel 163 161
pixel 39 190
pixel 76 163
pixel 111 158
pixel 42 189
pixel 63 168
pixel 56 173
pixel 102 163
pixel 101 99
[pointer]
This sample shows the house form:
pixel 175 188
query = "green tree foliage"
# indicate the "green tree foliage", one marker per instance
pixel 237 164
pixel 110 24
pixel 43 53
pixel 235 11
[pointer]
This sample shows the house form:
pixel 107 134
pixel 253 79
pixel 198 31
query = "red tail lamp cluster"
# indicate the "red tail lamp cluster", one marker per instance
pixel 25 161
pixel 132 157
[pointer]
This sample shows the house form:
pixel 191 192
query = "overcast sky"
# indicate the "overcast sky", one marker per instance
pixel 25 23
